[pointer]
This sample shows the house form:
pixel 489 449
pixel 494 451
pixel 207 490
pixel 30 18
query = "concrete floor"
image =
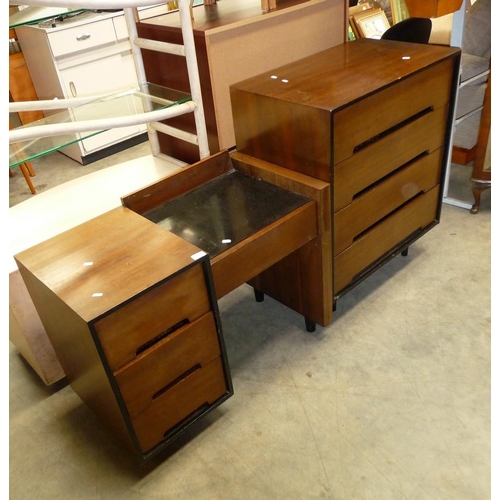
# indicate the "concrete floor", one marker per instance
pixel 391 401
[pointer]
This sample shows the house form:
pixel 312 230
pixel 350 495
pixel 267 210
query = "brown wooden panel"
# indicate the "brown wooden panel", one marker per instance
pixel 370 117
pixel 203 386
pixel 283 115
pixel 253 255
pixel 178 183
pixel 463 156
pixel 152 371
pixel 170 71
pixel 116 255
pixel 381 239
pixel 77 353
pixel 386 155
pixel 302 280
pixel 374 204
pixel 125 330
pixel 284 133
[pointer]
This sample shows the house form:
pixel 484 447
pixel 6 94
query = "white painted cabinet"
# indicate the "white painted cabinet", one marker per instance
pixel 88 54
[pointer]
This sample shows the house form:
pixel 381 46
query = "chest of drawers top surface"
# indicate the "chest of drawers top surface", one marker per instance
pixel 106 261
pixel 337 77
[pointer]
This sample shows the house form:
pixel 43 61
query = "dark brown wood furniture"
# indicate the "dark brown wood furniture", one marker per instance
pixel 131 312
pixel 371 117
pixel 129 298
pixel 235 39
pixel 221 205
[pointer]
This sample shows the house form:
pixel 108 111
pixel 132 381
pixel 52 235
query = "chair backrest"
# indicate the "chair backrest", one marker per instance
pixel 412 29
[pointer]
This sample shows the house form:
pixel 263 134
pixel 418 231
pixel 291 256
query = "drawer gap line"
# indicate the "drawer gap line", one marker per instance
pixel 371 268
pixel 392 129
pixel 176 381
pixel 367 230
pixel 161 336
pixel 192 416
pixel 390 174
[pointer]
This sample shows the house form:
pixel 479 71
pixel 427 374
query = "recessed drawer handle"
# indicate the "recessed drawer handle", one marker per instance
pixel 83 36
pixel 392 129
pixel 192 416
pixel 383 219
pixel 180 378
pixel 156 339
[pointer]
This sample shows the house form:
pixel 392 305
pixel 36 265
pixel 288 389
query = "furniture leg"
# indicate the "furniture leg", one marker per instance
pixel 27 172
pixel 259 296
pixel 310 325
pixel 477 189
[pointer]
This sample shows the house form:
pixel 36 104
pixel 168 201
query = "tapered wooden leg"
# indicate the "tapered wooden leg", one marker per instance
pixel 259 296
pixel 26 172
pixel 30 168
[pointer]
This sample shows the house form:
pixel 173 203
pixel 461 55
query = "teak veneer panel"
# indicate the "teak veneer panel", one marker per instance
pixel 420 176
pixel 115 283
pixel 125 330
pixel 350 177
pixel 303 279
pixel 284 116
pixel 243 261
pixel 126 253
pixel 201 388
pixel 305 233
pixel 429 90
pixel 358 116
pixel 142 379
pixel 418 214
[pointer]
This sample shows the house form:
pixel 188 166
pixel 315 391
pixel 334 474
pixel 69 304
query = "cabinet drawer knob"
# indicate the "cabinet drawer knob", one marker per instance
pixel 83 36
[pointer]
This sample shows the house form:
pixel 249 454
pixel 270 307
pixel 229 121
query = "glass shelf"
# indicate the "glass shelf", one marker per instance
pixel 131 102
pixel 37 14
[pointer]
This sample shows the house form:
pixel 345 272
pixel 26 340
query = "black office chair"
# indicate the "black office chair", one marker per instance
pixel 413 29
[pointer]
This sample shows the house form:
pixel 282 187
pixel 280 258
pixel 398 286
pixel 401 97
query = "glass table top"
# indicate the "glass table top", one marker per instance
pixel 223 212
pixel 130 102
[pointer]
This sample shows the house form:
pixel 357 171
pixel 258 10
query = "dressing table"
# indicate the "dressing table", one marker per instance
pixel 129 298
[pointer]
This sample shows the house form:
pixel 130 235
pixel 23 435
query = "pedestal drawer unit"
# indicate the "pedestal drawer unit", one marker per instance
pixel 131 312
pixel 373 118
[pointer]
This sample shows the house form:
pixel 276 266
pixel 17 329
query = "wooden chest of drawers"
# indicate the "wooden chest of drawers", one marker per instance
pixel 131 312
pixel 373 118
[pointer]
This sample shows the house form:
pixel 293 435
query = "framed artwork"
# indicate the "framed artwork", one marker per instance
pixel 353 33
pixel 372 23
pixel 399 11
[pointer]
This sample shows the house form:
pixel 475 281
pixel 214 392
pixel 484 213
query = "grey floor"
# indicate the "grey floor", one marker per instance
pixel 391 401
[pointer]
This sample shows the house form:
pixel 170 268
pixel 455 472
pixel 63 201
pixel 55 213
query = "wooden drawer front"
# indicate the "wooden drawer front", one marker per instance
pixel 370 117
pixel 152 314
pixel 383 237
pixel 382 199
pixel 83 37
pixel 386 155
pixel 196 392
pixel 190 347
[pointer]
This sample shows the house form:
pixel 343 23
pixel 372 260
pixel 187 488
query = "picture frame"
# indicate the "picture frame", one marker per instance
pixel 371 23
pixel 399 11
pixel 353 33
